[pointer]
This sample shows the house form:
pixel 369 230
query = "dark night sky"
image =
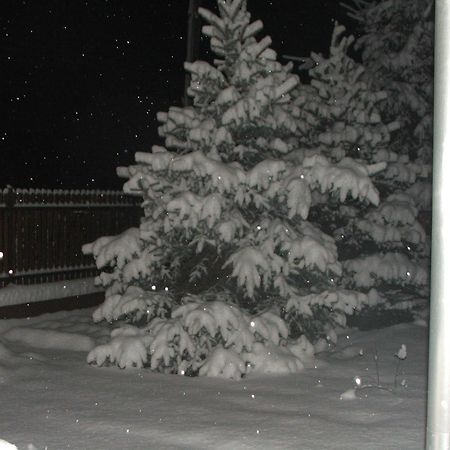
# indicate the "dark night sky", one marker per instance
pixel 81 81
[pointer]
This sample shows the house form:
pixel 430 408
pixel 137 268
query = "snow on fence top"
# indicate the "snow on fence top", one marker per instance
pixel 10 197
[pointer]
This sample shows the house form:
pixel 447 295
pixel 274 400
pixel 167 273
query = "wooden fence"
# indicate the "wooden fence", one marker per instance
pixel 42 231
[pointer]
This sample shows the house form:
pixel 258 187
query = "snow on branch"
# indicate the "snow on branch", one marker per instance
pixel 159 159
pixel 115 250
pixel 211 18
pixel 134 304
pixel 191 208
pixel 343 300
pixel 252 29
pixel 224 177
pixel 256 48
pixel 278 251
pixel 389 267
pixel 346 177
pixel 246 262
pixel 233 8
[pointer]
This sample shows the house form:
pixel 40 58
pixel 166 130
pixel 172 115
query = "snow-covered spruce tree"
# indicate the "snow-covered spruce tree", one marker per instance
pixel 396 45
pixel 224 252
pixel 381 246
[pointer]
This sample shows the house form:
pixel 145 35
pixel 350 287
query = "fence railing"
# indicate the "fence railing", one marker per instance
pixel 42 231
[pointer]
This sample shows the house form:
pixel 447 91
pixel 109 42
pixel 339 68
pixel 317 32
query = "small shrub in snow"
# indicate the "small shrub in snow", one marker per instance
pixel 367 382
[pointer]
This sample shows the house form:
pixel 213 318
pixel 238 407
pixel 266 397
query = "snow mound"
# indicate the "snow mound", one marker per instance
pixel 272 359
pixel 15 294
pixel 6 445
pixel 125 351
pixel 50 339
pixel 223 363
pixel 349 394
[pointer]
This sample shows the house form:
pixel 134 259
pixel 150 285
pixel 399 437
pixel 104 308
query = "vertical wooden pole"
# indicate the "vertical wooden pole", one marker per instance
pixel 193 42
pixel 438 416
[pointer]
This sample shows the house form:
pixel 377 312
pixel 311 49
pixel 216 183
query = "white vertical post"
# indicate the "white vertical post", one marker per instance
pixel 438 414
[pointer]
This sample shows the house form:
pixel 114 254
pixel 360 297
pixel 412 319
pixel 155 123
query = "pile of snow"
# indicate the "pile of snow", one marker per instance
pixel 6 445
pixel 17 294
pixel 50 339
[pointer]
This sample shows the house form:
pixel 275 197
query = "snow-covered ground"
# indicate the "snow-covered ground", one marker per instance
pixel 51 399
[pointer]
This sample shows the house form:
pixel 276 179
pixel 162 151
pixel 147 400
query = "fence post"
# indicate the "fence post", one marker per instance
pixel 10 257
